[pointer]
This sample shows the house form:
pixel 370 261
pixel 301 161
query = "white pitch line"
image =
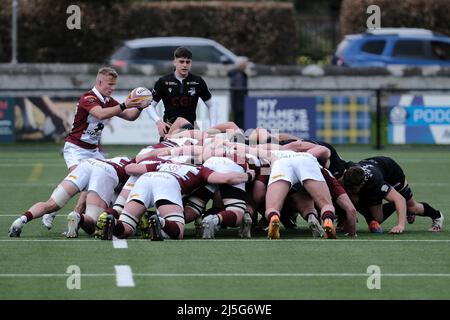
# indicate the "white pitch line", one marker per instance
pixel 119 243
pixel 235 240
pixel 289 274
pixel 124 276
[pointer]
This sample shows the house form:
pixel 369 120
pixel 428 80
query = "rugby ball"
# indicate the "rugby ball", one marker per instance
pixel 144 95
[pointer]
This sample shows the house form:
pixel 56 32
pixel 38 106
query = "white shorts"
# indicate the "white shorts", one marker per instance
pixel 154 186
pixel 223 165
pixel 95 175
pixel 296 170
pixel 130 183
pixel 73 154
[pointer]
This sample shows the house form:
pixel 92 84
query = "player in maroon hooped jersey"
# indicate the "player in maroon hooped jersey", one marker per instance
pixel 163 184
pixel 93 109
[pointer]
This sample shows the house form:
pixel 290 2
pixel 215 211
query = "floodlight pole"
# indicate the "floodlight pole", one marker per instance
pixel 14 32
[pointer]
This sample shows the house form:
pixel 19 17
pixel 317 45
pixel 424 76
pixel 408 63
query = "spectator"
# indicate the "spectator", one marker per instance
pixel 238 90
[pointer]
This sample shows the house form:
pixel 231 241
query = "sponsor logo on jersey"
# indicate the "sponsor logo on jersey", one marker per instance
pixel 71 176
pixel 191 91
pixel 171 83
pixel 192 83
pixel 367 173
pixel 97 131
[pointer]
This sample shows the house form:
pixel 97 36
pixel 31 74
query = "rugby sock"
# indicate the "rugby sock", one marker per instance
pixel 328 215
pixel 271 214
pixel 172 229
pixel 430 212
pixel 229 218
pixel 26 217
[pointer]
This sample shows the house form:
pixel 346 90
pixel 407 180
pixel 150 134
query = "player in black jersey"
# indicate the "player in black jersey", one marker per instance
pixel 374 179
pixel 180 92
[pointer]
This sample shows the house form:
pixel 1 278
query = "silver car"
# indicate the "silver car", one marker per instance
pixel 159 51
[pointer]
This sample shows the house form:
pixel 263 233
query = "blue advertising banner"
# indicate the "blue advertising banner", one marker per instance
pixel 293 115
pixel 7 119
pixel 419 119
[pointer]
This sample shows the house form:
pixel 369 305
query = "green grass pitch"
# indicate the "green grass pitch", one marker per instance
pixel 415 265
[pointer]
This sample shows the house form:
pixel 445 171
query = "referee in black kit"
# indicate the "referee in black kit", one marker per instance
pixel 179 92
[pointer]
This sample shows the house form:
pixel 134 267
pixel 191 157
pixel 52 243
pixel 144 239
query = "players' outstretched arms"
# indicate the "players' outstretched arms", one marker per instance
pixel 400 206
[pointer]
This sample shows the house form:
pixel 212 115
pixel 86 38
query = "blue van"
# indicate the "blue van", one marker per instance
pixel 393 46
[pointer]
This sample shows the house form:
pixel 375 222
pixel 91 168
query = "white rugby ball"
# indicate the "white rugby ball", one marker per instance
pixel 144 95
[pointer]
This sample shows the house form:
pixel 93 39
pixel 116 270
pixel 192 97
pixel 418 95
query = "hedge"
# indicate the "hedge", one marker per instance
pixel 265 32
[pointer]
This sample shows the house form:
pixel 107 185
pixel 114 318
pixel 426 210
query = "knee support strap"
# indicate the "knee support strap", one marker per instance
pixel 60 196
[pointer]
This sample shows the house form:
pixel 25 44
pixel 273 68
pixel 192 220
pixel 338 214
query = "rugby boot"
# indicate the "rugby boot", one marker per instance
pixel 16 228
pixel 73 220
pixel 155 226
pixel 330 230
pixel 315 227
pixel 274 228
pixel 437 224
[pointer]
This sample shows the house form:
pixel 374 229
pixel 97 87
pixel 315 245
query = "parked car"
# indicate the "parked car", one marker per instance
pixel 389 46
pixel 159 51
